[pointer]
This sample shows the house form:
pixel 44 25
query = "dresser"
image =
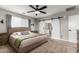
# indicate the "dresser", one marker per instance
pixel 3 38
pixel 77 40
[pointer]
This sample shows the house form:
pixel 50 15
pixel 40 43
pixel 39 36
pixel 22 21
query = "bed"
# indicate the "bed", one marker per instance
pixel 23 40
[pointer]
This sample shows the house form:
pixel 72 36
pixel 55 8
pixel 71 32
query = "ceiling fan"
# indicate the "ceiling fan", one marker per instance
pixel 37 10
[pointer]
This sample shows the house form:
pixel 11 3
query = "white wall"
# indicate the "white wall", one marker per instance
pixel 2 26
pixel 74 22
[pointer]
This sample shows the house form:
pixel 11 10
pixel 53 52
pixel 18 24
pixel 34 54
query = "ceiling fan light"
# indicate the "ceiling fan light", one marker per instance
pixel 37 12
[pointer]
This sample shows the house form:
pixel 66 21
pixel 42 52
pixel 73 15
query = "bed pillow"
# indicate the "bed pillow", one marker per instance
pixel 25 33
pixel 16 33
pixel 21 33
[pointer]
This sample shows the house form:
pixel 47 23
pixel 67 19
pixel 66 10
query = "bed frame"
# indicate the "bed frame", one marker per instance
pixel 27 48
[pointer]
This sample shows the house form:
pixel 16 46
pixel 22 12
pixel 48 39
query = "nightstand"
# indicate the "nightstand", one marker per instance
pixel 3 38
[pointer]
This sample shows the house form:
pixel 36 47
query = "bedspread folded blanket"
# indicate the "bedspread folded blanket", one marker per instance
pixel 19 39
pixel 17 42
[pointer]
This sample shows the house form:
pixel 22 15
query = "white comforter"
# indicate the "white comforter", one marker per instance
pixel 28 41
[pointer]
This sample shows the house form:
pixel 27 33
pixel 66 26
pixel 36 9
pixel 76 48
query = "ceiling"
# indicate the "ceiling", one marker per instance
pixel 51 9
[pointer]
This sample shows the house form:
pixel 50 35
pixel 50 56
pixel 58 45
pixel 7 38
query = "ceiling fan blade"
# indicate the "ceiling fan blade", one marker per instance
pixel 43 12
pixel 32 7
pixel 42 7
pixel 30 11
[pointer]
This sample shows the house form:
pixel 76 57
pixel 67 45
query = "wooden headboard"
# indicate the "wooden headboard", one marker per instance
pixel 18 29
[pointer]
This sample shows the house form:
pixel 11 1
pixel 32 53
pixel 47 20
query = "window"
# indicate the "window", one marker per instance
pixel 19 22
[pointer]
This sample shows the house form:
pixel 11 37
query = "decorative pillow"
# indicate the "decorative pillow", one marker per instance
pixel 17 33
pixel 25 33
pixel 21 33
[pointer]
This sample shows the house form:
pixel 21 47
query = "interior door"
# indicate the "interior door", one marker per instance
pixel 72 35
pixel 56 29
pixel 73 27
